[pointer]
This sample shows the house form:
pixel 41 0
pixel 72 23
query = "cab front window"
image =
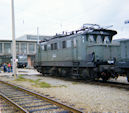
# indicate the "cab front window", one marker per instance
pixel 91 39
pixel 106 40
pixel 99 39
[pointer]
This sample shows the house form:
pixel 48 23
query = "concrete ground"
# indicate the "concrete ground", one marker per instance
pixel 22 72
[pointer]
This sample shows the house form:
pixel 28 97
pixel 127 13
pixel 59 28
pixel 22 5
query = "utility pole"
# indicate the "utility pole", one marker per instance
pixel 38 35
pixel 13 40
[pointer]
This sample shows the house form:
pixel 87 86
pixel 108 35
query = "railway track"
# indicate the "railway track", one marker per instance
pixel 5 107
pixel 118 85
pixel 25 101
pixel 110 84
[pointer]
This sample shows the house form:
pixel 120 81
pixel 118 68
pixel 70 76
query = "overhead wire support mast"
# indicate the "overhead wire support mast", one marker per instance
pixel 13 40
pixel 38 35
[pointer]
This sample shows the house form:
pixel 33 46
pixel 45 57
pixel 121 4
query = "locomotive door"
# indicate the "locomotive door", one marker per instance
pixel 107 52
pixel 74 49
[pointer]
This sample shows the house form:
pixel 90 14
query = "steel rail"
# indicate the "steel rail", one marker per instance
pixel 66 107
pixel 114 84
pixel 13 103
pixel 111 84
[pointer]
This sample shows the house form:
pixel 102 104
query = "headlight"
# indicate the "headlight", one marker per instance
pixel 110 61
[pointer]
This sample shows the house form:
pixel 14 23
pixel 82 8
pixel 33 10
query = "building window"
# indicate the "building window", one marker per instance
pixel 63 44
pixel 17 47
pixel 7 48
pixel 0 47
pixel 31 47
pixel 23 48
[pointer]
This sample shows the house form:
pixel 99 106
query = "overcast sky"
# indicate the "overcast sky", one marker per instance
pixel 54 16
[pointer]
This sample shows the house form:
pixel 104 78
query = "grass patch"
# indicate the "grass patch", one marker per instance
pixel 60 86
pixel 36 83
pixel 20 78
pixel 74 82
pixel 15 87
pixel 44 85
pixel 63 86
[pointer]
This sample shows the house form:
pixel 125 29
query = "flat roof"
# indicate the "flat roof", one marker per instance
pixel 1 40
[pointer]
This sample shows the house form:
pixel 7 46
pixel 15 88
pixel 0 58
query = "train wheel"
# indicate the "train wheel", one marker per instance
pixel 85 74
pixel 63 72
pixel 104 76
pixel 42 71
pixel 93 74
pixel 59 72
pixel 45 71
pixel 104 79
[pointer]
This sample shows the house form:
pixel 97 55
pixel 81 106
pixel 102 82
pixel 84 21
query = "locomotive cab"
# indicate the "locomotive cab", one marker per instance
pixel 102 52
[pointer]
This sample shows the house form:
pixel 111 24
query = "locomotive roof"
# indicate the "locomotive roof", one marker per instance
pixel 83 31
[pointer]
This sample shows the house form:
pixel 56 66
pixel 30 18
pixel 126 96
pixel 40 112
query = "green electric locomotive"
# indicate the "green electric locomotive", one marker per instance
pixel 86 53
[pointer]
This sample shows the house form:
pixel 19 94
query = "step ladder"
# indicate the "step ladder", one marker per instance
pixel 75 69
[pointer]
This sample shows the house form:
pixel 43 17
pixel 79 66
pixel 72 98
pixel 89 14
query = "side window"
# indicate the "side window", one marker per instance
pixel 48 47
pixel 52 47
pixel 45 47
pixel 69 43
pixel 63 44
pixel 87 37
pixel 74 42
pixel 55 46
pixel 83 39
pixel 42 47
